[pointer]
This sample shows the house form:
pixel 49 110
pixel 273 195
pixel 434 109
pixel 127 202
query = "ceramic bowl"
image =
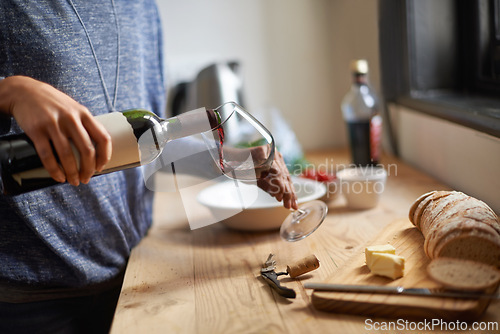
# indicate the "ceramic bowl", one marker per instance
pixel 248 208
pixel 362 186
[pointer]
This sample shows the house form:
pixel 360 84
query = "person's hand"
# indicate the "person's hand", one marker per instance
pixel 277 183
pixel 51 118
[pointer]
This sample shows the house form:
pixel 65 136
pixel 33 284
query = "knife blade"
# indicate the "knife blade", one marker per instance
pixel 399 290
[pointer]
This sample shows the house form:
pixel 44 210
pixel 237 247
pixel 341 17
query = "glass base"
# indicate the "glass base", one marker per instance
pixel 304 221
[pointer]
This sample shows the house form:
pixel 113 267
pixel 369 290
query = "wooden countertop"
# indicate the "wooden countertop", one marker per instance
pixel 207 280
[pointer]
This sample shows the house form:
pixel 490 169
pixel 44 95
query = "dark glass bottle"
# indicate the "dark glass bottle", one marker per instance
pixel 364 124
pixel 138 137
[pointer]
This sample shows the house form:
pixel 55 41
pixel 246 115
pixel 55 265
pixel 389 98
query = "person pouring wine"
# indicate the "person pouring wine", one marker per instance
pixel 64 248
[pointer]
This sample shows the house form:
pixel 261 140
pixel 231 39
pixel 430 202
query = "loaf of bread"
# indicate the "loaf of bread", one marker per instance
pixel 458 226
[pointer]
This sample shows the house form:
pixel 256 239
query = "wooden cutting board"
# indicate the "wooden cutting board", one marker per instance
pixel 408 242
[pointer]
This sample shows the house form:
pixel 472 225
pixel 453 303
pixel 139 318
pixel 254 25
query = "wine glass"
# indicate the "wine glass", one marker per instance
pixel 244 150
pixel 302 222
pixel 244 147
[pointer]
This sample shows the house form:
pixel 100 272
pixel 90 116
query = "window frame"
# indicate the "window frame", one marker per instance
pixel 422 65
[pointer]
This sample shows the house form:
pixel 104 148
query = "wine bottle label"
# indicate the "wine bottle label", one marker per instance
pixel 37 173
pixel 125 150
pixel 375 137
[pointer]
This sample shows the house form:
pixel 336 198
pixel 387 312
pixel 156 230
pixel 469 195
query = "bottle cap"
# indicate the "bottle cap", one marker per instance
pixel 359 66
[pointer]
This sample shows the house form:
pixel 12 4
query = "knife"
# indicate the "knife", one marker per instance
pixel 399 290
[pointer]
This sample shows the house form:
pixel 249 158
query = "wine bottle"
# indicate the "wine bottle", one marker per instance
pixel 364 124
pixel 138 137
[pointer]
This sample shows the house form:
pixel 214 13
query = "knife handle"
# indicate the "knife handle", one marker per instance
pixel 353 288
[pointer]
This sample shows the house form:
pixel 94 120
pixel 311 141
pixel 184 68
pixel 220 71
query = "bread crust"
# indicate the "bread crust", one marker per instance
pixel 438 211
pixel 413 208
pixel 435 195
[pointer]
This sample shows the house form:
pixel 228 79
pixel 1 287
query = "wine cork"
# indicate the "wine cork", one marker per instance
pixel 303 266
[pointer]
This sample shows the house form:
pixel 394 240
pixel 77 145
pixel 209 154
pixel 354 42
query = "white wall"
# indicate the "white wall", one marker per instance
pixel 295 53
pixel 465 159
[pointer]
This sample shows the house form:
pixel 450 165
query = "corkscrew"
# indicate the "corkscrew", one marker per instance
pixel 269 274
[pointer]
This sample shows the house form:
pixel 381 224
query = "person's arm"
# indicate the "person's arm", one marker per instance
pixel 51 118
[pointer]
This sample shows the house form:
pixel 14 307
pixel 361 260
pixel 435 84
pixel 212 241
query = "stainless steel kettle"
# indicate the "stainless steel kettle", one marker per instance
pixel 213 85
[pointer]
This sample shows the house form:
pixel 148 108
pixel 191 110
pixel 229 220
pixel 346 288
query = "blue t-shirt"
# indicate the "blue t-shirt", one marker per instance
pixel 65 236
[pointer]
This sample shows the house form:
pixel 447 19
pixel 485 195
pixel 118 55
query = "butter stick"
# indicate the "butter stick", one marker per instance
pixel 388 265
pixel 370 250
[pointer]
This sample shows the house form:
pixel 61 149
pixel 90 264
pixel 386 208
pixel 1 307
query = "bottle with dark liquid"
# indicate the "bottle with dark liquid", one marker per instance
pixel 364 124
pixel 138 137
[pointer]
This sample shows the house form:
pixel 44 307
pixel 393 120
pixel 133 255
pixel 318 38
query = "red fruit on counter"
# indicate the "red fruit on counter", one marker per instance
pixel 318 175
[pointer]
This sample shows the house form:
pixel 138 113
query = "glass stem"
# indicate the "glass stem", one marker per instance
pixel 299 214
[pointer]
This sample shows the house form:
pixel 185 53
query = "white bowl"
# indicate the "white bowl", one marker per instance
pixel 362 186
pixel 255 209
